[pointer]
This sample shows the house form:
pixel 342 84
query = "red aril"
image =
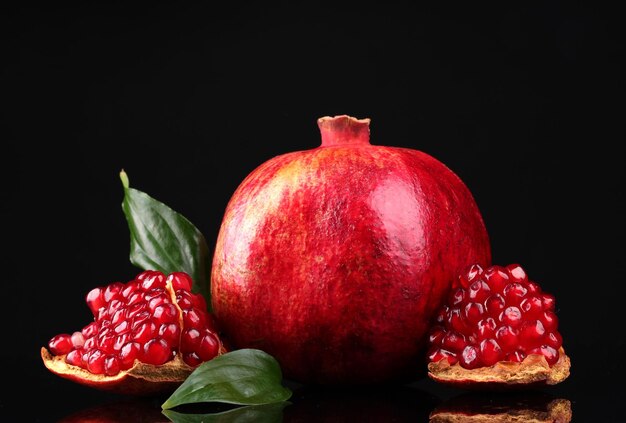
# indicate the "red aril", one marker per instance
pixel 136 343
pixel 334 259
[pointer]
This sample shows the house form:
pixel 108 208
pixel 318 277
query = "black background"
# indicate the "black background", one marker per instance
pixel 525 104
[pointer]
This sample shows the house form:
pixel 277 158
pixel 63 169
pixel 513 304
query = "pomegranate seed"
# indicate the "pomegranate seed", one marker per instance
pixel 75 357
pixel 95 362
pixel 123 327
pixel 514 292
pixel 531 334
pixel 517 273
pixel 511 316
pixel 486 328
pixel 550 321
pixel 165 313
pixel 193 318
pixel 551 355
pixel 113 292
pixel 171 333
pixel 180 281
pixel 533 288
pixel 494 305
pixel 208 347
pixel 103 314
pixel 130 288
pixel 107 342
pixel 507 337
pixel 453 341
pixel 515 356
pixel 470 357
pixel 85 358
pixel 492 315
pixel 95 300
pixel 439 355
pixel 90 330
pixel 198 301
pixel 140 319
pixel 478 291
pixel 473 312
pixel 153 281
pixel 90 343
pixel 128 354
pixel 490 352
pixel 473 272
pixel 548 302
pixel 457 296
pixel 183 299
pixel 145 332
pixel 190 340
pixel 78 340
pixel 135 298
pixel 531 306
pixel 554 340
pixel 60 344
pixel 192 359
pixel 442 315
pixel 111 365
pixel 156 351
pixel 157 301
pixel 120 341
pixel 118 316
pixel 135 309
pixel 436 335
pixel 498 278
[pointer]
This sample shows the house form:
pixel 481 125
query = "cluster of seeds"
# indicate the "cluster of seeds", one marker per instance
pixel 151 319
pixel 495 315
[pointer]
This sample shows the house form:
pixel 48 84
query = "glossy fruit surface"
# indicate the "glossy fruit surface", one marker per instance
pixel 496 315
pixel 335 259
pixel 152 330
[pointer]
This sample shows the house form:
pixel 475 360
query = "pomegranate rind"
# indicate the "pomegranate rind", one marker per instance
pixel 141 379
pixel 533 370
pixel 558 410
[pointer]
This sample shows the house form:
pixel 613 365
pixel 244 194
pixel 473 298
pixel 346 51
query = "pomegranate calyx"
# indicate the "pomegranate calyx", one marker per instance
pixel 533 370
pixel 344 130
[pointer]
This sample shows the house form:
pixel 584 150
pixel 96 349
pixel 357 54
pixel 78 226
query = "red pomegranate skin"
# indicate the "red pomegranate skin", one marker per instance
pixel 334 259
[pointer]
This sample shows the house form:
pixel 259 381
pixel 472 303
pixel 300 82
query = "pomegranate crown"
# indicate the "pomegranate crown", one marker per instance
pixel 343 130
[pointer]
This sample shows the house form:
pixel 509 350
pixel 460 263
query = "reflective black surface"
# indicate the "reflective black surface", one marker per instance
pixel 523 102
pixel 49 398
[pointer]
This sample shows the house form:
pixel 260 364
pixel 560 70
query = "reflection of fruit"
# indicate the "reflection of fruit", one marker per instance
pixel 530 407
pixel 119 412
pixel 147 336
pixel 374 404
pixel 497 328
pixel 334 259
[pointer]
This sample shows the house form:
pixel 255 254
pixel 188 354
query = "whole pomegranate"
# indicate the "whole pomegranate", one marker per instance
pixel 334 259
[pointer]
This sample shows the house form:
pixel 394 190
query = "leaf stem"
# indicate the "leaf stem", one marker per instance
pixel 124 178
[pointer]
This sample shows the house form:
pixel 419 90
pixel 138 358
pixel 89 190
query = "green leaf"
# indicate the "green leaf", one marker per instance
pixel 245 377
pixel 267 413
pixel 162 239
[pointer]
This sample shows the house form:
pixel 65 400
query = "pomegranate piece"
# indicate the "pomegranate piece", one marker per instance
pixel 498 329
pixel 138 340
